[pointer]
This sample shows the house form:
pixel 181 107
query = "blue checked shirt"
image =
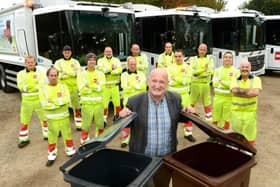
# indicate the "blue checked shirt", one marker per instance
pixel 159 128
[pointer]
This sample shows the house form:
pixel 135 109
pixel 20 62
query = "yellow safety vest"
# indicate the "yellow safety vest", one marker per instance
pixel 112 76
pixel 91 94
pixel 199 74
pixel 165 60
pixel 68 71
pixel 142 63
pixel 179 77
pixel 242 103
pixel 29 83
pixel 133 83
pixel 226 75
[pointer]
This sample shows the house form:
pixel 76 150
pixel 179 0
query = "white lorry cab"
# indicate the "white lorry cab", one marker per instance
pixel 242 33
pixel 272 24
pixel 42 27
pixel 184 27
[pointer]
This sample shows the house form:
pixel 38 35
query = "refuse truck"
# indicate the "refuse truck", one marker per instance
pixel 42 27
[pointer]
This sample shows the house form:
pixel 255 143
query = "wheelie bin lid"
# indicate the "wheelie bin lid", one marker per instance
pixel 228 137
pixel 97 146
pixel 101 141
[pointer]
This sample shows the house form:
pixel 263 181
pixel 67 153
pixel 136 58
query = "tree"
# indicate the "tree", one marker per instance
pixel 268 7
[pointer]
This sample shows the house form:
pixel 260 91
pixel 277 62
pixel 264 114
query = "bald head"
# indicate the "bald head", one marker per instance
pixel 202 49
pixel 168 47
pixel 245 68
pixel 159 72
pixel 245 63
pixel 108 52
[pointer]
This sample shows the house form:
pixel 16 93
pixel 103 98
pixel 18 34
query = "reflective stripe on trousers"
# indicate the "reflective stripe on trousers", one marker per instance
pixel 52 116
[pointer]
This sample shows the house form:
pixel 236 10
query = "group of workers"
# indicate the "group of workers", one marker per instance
pixel 235 91
pixel 89 92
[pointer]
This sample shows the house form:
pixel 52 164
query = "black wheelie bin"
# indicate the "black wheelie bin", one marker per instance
pixel 97 166
pixel 224 162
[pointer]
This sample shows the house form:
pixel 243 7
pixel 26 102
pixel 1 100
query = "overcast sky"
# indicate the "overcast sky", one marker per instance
pixel 234 4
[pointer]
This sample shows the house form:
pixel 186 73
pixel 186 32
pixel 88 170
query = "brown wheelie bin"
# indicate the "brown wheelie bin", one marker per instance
pixel 225 161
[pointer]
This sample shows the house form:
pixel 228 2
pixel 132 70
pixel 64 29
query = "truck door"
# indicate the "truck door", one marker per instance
pixel 273 56
pixel 218 54
pixel 22 43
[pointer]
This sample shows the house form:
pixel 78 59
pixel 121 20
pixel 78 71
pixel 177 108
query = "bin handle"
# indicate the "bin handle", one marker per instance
pixel 80 154
pixel 69 162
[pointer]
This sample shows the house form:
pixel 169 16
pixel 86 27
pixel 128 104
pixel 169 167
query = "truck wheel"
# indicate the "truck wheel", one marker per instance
pixel 3 81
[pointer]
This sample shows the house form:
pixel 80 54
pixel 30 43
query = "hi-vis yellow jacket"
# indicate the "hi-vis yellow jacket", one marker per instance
pixel 142 63
pixel 222 78
pixel 112 75
pixel 179 76
pixel 202 69
pixel 91 86
pixel 165 60
pixel 133 83
pixel 243 103
pixel 29 83
pixel 55 101
pixel 68 71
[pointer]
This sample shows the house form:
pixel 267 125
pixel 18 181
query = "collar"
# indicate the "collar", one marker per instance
pixel 130 72
pixel 89 70
pixel 136 55
pixel 67 59
pixel 250 77
pixel 168 54
pixel 151 99
pixel 29 70
pixel 201 56
pixel 108 58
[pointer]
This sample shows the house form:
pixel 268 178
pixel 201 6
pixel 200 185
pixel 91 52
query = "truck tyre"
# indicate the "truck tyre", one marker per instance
pixel 3 81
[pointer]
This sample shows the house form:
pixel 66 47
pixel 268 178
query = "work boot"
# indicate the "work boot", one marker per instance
pixel 23 144
pixel 49 163
pixel 124 144
pixel 190 138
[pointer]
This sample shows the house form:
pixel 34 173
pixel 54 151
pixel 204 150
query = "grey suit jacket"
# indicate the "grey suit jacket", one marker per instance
pixel 138 133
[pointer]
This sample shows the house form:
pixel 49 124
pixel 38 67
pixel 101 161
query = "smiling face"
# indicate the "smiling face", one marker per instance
pixel 135 50
pixel 202 50
pixel 30 63
pixel 132 64
pixel 227 59
pixel 158 82
pixel 245 69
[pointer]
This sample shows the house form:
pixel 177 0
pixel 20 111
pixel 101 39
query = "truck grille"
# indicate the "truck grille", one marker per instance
pixel 257 62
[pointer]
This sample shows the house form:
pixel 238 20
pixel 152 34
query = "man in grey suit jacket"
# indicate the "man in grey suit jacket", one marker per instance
pixel 154 131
